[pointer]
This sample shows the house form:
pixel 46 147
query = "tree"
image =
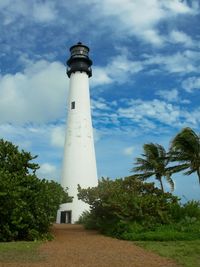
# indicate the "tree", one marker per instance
pixel 28 205
pixel 185 149
pixel 154 163
pixel 14 161
pixel 124 201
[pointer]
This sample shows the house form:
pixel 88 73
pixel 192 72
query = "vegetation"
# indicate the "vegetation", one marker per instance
pixel 133 210
pixel 154 163
pixel 185 149
pixel 128 208
pixel 20 252
pixel 185 253
pixel 184 152
pixel 28 205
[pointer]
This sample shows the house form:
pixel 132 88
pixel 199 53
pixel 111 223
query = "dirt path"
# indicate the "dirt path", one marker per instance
pixel 76 247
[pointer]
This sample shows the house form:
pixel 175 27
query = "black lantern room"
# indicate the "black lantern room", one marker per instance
pixel 79 60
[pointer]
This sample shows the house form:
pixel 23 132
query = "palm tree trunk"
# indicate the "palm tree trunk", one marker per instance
pixel 198 173
pixel 161 184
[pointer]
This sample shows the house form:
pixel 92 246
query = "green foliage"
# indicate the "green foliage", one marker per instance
pixel 171 232
pixel 14 161
pixel 131 209
pixel 88 220
pixel 190 210
pixel 185 149
pixel 28 205
pixel 127 200
pixel 154 163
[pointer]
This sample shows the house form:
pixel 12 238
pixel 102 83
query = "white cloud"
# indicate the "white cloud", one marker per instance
pixel 118 70
pixel 17 134
pixel 44 12
pixel 128 151
pixel 58 136
pixel 181 37
pixel 141 17
pixel 35 95
pixel 172 96
pixel 152 36
pixel 100 77
pixel 191 84
pixel 47 170
pixel 36 139
pixel 151 115
pixel 155 109
pixel 178 7
pixel 169 95
pixel 138 18
pixel 25 135
pixel 121 67
pixel 185 62
pixel 191 118
pixel 129 18
pixel 31 10
pixel 99 103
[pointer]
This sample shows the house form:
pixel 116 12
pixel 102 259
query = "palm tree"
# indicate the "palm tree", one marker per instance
pixel 185 149
pixel 154 163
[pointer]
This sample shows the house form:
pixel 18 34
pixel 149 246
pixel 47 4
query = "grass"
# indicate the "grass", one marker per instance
pixel 20 252
pixel 164 235
pixel 185 253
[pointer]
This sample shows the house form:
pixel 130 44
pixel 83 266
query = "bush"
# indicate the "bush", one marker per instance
pixel 131 209
pixel 127 200
pixel 191 209
pixel 87 220
pixel 28 205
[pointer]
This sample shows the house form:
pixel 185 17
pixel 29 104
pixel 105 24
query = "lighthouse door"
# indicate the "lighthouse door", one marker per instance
pixel 66 216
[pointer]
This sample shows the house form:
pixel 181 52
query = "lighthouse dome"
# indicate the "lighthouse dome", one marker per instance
pixel 79 60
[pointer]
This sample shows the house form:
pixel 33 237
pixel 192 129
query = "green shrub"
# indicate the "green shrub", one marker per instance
pixel 28 205
pixel 131 209
pixel 87 220
pixel 191 209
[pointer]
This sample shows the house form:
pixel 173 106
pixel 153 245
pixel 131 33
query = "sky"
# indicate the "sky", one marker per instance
pixel 145 85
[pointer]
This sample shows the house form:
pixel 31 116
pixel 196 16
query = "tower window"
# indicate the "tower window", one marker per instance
pixel 73 105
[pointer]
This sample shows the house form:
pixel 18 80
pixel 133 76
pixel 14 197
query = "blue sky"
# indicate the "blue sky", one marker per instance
pixel 145 85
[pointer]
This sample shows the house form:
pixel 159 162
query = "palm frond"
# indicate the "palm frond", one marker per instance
pixel 177 168
pixel 185 148
pixel 153 162
pixel 189 171
pixel 170 181
pixel 142 165
pixel 143 176
pixel 187 143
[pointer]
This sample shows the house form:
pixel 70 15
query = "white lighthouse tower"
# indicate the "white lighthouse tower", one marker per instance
pixel 79 162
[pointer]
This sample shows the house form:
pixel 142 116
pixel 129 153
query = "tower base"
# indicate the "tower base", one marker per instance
pixel 70 212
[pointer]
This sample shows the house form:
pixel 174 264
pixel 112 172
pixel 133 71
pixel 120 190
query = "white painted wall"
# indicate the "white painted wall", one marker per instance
pixel 79 161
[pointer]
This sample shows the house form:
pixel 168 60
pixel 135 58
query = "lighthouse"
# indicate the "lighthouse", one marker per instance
pixel 79 161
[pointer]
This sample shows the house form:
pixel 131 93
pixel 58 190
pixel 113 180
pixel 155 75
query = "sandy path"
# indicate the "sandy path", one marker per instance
pixel 75 247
